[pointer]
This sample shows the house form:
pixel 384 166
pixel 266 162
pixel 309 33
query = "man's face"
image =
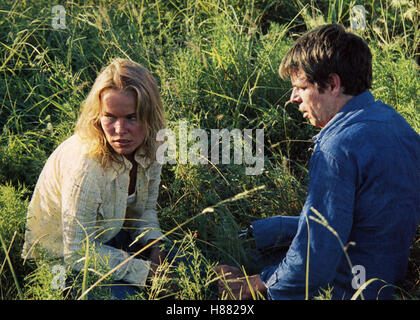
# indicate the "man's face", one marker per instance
pixel 122 129
pixel 318 107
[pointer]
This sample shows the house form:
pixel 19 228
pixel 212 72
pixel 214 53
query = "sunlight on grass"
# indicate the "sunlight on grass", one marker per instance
pixel 216 63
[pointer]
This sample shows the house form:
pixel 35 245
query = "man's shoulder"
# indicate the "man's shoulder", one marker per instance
pixel 351 134
pixel 370 134
pixel 370 122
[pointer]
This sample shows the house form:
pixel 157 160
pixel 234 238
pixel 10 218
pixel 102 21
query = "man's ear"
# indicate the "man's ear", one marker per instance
pixel 335 85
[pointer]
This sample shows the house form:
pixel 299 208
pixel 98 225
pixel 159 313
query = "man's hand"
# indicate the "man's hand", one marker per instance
pixel 235 285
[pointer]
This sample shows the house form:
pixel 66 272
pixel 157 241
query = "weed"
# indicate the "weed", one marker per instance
pixel 216 63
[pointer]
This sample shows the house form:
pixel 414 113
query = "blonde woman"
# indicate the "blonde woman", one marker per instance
pixel 103 181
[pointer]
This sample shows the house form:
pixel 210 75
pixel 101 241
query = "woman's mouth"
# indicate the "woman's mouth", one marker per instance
pixel 122 142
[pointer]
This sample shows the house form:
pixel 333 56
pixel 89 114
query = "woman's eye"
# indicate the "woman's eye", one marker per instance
pixel 108 118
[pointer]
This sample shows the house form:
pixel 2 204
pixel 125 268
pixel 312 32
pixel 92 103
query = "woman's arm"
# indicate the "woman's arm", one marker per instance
pixel 81 199
pixel 145 227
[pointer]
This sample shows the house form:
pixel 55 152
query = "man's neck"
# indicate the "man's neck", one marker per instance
pixel 343 100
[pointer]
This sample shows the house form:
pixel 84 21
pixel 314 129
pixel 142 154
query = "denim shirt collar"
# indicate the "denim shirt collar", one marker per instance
pixel 355 103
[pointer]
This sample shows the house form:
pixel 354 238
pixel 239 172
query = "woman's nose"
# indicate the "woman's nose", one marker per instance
pixel 120 126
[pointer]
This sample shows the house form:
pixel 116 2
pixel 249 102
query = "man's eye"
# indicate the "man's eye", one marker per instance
pixel 132 118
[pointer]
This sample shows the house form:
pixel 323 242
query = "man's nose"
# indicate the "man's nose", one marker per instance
pixel 294 97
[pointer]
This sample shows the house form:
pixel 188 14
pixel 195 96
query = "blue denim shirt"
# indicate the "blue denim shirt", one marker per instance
pixel 364 179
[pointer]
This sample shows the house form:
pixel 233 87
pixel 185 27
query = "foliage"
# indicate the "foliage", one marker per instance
pixel 13 204
pixel 216 63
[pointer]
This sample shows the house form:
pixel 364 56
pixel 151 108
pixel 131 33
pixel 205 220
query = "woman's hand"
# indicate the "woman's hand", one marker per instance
pixel 156 255
pixel 155 261
pixel 235 285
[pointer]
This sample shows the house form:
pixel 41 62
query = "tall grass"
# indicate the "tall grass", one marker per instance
pixel 216 62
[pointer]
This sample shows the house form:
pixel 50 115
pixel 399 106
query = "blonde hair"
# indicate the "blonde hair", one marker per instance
pixel 123 75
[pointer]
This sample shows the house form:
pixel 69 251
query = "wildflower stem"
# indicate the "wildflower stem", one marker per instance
pixel 6 252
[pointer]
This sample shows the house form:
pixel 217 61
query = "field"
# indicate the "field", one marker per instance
pixel 216 63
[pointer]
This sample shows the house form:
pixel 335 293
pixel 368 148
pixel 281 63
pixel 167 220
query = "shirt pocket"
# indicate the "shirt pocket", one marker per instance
pixel 142 191
pixel 153 172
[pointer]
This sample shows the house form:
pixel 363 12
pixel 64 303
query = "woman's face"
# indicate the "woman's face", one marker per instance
pixel 122 129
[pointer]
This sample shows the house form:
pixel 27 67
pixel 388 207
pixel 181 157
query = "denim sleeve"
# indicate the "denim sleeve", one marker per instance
pixel 273 232
pixel 332 193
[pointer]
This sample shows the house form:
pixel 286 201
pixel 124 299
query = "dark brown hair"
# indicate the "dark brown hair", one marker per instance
pixel 327 50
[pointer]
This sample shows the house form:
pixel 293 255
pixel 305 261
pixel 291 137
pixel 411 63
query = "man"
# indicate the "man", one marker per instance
pixel 363 204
